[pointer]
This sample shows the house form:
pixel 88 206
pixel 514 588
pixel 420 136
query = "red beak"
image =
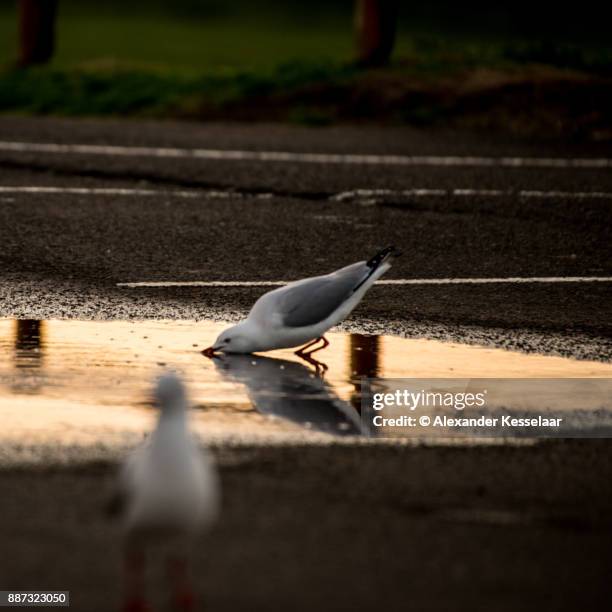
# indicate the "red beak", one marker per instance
pixel 209 352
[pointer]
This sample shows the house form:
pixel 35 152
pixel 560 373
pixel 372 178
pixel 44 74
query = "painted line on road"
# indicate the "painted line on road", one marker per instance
pixel 303 157
pixel 344 196
pixel 93 191
pixel 125 191
pixel 374 194
pixel 397 281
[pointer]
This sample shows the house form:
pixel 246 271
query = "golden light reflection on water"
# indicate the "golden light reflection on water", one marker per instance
pixel 86 382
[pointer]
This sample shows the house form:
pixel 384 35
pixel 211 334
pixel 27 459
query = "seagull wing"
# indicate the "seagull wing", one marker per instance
pixel 312 300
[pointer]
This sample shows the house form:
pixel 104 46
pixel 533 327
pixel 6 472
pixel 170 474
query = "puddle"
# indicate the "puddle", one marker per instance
pixel 88 382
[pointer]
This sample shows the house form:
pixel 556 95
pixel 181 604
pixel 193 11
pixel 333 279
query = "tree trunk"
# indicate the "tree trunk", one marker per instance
pixel 36 31
pixel 375 24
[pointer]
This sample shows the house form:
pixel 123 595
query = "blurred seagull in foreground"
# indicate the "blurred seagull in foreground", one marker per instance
pixel 167 493
pixel 302 311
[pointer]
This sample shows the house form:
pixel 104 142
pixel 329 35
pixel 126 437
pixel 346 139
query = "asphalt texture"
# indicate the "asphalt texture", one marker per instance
pixel 497 528
pixel 340 527
pixel 281 221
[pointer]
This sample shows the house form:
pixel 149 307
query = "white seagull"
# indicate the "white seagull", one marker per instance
pixel 167 492
pixel 301 312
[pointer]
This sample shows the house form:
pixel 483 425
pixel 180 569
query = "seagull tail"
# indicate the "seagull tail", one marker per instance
pixel 375 262
pixel 389 253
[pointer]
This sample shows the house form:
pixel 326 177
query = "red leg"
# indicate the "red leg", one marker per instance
pixel 134 574
pixel 182 591
pixel 300 352
pixel 320 367
pixel 319 348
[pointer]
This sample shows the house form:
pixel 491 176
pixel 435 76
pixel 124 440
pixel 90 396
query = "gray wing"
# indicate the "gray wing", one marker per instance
pixel 313 300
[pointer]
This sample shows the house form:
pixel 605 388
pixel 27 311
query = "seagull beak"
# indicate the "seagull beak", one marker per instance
pixel 209 352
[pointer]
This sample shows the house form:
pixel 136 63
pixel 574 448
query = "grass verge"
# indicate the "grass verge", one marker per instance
pixel 299 71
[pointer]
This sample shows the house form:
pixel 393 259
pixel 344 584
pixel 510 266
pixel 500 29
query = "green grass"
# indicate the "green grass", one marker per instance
pixel 291 65
pixel 105 36
pixel 112 90
pixel 102 37
pixel 200 45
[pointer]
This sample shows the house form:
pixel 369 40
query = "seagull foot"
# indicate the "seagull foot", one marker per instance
pixel 303 352
pixel 319 366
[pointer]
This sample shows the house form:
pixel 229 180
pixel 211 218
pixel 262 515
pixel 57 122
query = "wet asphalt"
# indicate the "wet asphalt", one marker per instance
pixel 277 221
pixel 336 528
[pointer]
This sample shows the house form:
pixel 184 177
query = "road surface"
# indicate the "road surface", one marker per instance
pixel 88 207
pixel 76 224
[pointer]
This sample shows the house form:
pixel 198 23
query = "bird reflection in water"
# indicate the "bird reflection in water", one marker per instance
pixel 291 391
pixel 28 355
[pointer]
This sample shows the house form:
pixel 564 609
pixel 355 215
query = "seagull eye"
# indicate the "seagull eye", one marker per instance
pixel 228 340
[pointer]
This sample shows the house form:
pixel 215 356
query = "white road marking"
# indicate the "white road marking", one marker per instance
pixel 366 194
pixel 125 191
pixel 373 194
pixel 563 194
pixel 119 191
pixel 344 196
pixel 302 157
pixel 397 281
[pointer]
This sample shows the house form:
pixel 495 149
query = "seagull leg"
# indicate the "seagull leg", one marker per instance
pixel 182 591
pixel 319 348
pixel 320 367
pixel 302 351
pixel 134 571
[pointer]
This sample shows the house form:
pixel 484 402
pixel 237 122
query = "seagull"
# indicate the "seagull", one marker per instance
pixel 167 493
pixel 301 312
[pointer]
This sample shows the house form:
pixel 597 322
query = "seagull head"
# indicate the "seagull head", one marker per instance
pixel 239 338
pixel 170 393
